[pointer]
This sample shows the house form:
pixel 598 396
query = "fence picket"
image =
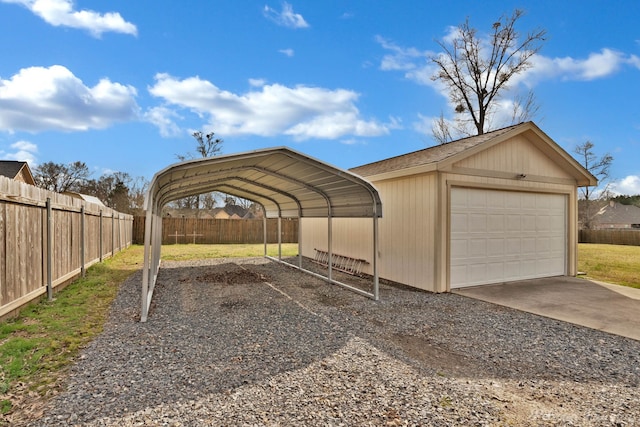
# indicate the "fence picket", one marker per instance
pixel 23 242
pixel 611 237
pixel 217 231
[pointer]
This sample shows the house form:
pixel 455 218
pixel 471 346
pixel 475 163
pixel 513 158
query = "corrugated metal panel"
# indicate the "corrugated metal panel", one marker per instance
pixel 286 183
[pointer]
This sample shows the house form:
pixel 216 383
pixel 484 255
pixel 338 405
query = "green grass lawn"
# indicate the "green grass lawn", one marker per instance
pixel 617 264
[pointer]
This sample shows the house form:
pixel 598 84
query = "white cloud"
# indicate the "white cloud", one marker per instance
pixel 163 118
pixel 62 13
pixel 418 68
pixel 302 111
pixel 257 82
pixel 635 61
pixel 287 52
pixel 595 66
pixel 424 124
pixel 629 185
pixel 39 98
pixel 352 141
pixel 400 58
pixel 286 18
pixel 23 151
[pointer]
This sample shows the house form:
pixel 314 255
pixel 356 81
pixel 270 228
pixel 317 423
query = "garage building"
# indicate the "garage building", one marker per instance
pixel 486 209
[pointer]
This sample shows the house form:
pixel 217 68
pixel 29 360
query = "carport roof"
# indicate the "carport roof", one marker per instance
pixel 285 182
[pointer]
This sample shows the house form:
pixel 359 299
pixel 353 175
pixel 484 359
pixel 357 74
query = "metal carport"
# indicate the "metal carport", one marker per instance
pixel 287 184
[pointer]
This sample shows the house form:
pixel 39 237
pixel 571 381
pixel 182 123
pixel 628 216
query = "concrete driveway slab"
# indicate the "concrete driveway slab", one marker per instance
pixel 579 301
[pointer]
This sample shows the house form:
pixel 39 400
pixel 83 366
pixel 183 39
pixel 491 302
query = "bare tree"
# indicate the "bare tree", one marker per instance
pixel 59 177
pixel 476 72
pixel 119 191
pixel 598 167
pixel 206 146
pixel 524 108
pixel 441 131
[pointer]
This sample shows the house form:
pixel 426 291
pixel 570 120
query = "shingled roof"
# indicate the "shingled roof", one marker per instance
pixel 617 213
pixel 428 155
pixel 12 168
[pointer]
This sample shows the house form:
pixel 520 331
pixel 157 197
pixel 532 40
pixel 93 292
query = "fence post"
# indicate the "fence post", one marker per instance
pixel 113 233
pixel 49 239
pixel 119 233
pixel 100 239
pixel 82 269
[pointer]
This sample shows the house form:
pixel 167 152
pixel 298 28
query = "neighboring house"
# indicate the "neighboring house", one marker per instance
pixel 616 215
pixel 220 213
pixel 18 171
pixel 486 209
pixel 230 212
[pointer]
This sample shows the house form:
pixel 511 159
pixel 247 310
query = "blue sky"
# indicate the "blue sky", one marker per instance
pixel 121 85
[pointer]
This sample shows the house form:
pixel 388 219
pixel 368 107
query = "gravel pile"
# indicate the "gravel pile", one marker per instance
pixel 250 342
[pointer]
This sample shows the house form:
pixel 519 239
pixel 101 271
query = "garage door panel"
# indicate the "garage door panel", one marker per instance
pixel 528 223
pixel 495 247
pixel 477 199
pixel 477 222
pixel 513 245
pixel 496 223
pixel 495 271
pixel 477 248
pixel 501 236
pixel 459 222
pixel 513 223
pixel 512 269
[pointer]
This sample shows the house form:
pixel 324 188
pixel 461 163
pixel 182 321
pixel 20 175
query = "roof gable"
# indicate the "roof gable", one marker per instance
pixel 440 157
pixel 518 156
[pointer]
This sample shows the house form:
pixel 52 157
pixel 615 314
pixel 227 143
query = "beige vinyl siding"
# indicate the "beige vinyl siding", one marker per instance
pixel 352 237
pixel 407 230
pixel 406 238
pixel 517 156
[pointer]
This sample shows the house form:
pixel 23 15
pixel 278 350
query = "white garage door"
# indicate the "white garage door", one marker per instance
pixel 500 236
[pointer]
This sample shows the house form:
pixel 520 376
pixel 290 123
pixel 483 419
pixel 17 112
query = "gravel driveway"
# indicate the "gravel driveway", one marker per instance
pixel 251 342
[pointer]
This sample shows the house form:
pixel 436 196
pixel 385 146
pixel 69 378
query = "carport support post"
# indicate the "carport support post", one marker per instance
pixel 146 265
pixel 376 293
pixel 330 244
pixel 299 242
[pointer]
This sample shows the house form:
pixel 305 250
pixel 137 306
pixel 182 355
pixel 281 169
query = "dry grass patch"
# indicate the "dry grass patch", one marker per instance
pixel 617 264
pixel 194 252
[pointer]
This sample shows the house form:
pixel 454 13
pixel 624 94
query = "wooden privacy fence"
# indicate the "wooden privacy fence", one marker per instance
pixel 48 239
pixel 212 231
pixel 611 237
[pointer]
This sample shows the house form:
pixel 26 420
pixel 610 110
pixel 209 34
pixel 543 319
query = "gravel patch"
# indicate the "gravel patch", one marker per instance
pixel 249 342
